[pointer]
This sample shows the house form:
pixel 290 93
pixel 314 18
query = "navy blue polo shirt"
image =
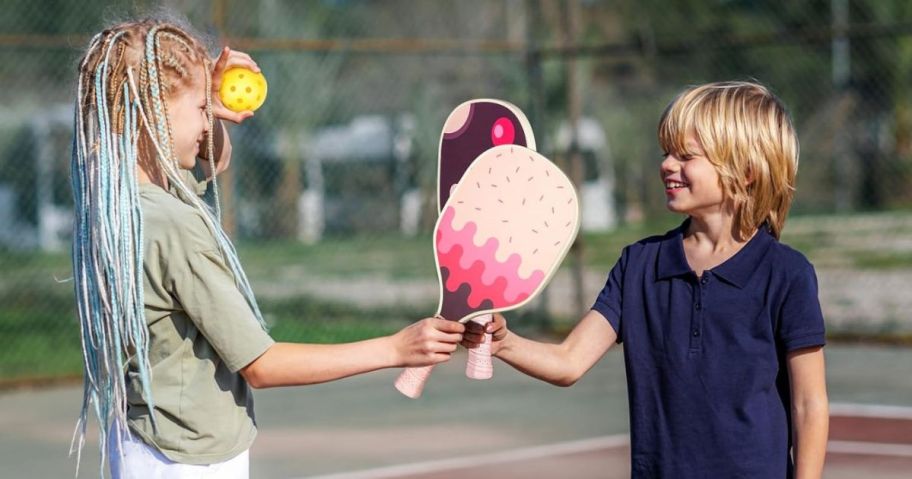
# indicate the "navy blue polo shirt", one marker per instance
pixel 707 378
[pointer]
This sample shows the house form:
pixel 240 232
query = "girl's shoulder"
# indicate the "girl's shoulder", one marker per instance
pixel 168 220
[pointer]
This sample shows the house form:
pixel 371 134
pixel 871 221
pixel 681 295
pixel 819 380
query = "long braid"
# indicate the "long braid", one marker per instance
pixel 121 107
pixel 107 230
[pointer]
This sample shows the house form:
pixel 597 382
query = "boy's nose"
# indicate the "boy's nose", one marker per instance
pixel 669 164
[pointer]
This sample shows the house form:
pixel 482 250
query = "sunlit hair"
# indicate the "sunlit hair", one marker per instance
pixel 747 134
pixel 127 76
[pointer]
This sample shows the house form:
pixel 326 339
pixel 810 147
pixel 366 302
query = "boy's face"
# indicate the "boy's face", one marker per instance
pixel 691 182
pixel 187 113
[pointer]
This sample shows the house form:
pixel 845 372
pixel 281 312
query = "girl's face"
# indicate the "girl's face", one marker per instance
pixel 691 182
pixel 189 124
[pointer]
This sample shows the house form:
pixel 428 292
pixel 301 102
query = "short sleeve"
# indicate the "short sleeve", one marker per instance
pixel 801 323
pixel 609 300
pixel 205 288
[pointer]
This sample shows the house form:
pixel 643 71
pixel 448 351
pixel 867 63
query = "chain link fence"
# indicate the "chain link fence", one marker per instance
pixel 331 193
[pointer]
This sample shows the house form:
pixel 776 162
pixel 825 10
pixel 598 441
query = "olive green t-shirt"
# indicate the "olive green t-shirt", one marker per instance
pixel 201 333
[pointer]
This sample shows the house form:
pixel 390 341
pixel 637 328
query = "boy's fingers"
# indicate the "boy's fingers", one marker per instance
pixel 473 327
pixel 473 337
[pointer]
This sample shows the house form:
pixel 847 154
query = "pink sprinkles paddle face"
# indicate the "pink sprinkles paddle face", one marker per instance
pixel 503 232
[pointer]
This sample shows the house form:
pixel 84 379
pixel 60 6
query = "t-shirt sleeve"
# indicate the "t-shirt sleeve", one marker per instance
pixel 801 323
pixel 609 300
pixel 205 287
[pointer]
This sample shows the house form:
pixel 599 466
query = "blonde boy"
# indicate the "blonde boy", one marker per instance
pixel 721 324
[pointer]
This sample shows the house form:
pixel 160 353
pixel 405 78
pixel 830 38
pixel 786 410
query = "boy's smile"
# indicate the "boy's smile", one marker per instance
pixel 691 182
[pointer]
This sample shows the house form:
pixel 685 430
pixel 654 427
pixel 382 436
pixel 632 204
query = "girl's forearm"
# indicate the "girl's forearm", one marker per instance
pixel 291 364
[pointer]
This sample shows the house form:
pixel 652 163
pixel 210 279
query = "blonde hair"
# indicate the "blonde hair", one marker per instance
pixel 126 77
pixel 747 134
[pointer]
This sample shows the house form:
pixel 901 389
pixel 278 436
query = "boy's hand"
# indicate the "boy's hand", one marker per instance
pixel 475 332
pixel 226 60
pixel 429 341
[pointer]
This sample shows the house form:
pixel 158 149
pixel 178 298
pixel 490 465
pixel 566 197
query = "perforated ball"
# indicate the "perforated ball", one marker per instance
pixel 242 89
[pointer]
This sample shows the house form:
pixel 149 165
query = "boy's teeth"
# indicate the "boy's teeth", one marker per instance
pixel 674 184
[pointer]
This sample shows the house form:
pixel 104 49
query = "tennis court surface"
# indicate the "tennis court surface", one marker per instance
pixel 509 427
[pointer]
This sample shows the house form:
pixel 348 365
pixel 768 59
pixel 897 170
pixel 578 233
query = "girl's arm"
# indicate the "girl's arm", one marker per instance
pixel 426 342
pixel 810 411
pixel 559 364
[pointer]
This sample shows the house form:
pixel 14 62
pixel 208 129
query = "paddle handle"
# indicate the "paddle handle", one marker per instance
pixel 411 381
pixel 479 364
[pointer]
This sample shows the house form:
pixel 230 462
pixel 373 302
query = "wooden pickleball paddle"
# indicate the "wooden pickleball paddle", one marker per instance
pixel 472 128
pixel 500 238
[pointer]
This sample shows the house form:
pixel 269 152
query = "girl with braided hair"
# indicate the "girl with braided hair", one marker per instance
pixel 172 335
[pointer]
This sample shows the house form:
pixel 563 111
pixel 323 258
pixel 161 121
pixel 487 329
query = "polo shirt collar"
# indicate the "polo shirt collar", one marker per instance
pixel 736 270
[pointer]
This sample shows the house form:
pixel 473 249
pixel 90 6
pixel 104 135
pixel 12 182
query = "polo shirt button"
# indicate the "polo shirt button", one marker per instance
pixel 705 279
pixel 696 332
pixel 697 306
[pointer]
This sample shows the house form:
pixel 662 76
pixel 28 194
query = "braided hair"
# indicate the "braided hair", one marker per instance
pixel 121 121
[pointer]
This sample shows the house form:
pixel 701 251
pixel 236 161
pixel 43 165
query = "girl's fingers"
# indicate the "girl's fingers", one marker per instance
pixel 232 116
pixel 222 59
pixel 452 338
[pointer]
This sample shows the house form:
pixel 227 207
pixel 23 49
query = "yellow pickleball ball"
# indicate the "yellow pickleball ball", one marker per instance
pixel 242 89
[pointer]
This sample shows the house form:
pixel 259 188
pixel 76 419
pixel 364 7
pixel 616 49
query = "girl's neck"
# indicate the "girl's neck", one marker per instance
pixel 156 178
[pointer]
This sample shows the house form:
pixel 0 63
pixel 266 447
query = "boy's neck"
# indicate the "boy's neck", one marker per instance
pixel 715 233
pixel 711 240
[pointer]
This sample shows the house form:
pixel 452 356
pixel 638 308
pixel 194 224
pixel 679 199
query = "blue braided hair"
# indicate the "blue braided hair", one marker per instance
pixel 120 120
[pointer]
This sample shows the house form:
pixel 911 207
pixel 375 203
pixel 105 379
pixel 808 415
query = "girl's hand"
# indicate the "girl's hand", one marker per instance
pixel 429 341
pixel 475 332
pixel 221 145
pixel 226 60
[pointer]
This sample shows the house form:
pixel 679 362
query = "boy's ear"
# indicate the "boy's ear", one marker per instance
pixel 749 177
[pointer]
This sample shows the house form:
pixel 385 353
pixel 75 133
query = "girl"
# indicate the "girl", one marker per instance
pixel 721 323
pixel 172 335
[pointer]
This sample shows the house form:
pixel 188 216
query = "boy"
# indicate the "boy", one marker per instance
pixel 721 324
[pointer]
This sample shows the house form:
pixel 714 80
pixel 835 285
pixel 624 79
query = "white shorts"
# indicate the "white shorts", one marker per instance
pixel 138 460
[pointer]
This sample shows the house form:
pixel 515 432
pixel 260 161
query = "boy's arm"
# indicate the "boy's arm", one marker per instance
pixel 426 342
pixel 810 411
pixel 560 364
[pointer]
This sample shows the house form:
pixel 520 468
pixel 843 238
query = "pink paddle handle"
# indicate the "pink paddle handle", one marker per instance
pixel 479 365
pixel 411 381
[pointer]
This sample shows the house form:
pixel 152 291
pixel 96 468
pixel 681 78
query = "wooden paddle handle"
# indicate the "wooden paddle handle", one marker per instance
pixel 479 365
pixel 411 381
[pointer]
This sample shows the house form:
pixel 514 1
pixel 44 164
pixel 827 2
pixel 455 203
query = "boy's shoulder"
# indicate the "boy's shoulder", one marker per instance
pixel 650 243
pixel 788 259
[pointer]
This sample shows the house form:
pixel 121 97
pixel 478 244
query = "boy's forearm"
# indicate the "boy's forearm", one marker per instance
pixel 561 364
pixel 547 362
pixel 292 364
pixel 811 428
